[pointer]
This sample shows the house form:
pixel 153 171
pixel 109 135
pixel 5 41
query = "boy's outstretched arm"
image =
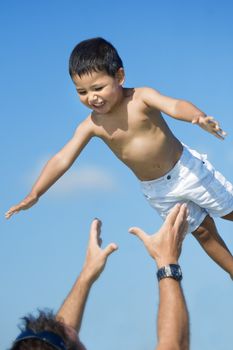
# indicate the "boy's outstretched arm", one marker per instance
pixel 182 110
pixel 56 166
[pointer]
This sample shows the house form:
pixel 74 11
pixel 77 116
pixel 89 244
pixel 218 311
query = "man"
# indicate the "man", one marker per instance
pixel 49 332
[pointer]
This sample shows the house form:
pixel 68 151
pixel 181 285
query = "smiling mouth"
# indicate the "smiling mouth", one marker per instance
pixel 97 105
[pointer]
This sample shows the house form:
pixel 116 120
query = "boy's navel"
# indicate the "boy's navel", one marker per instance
pixel 157 166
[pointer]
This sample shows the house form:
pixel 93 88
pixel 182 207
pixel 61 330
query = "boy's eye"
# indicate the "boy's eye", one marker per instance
pixel 81 92
pixel 98 88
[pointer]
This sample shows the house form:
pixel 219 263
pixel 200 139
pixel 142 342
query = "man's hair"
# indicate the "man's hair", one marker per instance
pixel 46 321
pixel 96 55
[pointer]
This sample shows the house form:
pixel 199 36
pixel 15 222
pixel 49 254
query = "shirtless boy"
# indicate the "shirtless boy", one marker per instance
pixel 129 121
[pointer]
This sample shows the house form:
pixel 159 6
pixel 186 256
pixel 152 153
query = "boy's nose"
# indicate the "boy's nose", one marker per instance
pixel 93 99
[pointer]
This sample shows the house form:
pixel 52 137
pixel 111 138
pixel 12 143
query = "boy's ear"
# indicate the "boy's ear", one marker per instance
pixel 120 75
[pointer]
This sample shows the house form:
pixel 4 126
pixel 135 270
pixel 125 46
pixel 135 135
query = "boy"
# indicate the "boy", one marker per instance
pixel 129 121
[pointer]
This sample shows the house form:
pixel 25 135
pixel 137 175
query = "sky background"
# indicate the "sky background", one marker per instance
pixel 182 48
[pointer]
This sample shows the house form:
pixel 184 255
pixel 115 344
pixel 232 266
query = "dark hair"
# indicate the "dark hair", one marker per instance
pixel 96 55
pixel 46 321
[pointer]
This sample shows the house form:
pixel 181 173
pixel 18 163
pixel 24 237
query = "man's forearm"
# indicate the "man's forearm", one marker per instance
pixel 71 312
pixel 186 111
pixel 164 247
pixel 173 320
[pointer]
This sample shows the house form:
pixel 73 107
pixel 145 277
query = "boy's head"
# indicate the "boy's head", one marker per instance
pixel 94 55
pixel 97 72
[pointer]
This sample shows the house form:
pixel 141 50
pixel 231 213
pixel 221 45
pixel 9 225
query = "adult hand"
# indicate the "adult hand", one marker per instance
pixel 164 246
pixel 96 257
pixel 71 311
pixel 26 203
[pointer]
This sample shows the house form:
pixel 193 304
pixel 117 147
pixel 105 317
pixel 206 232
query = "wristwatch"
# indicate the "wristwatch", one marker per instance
pixel 171 270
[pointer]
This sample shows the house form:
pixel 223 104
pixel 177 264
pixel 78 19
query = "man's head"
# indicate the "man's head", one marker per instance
pixel 45 333
pixel 97 72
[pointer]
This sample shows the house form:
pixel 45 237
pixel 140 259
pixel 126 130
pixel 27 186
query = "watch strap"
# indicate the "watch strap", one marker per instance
pixel 170 271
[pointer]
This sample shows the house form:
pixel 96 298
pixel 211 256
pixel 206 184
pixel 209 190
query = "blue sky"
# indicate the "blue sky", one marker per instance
pixel 182 48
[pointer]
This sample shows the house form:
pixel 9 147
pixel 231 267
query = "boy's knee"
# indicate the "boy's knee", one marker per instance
pixel 203 232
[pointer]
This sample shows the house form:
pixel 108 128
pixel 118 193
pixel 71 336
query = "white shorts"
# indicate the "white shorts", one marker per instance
pixel 194 181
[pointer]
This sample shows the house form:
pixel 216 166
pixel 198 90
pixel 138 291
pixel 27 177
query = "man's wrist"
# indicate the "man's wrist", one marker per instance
pixel 85 278
pixel 170 271
pixel 166 261
pixel 88 276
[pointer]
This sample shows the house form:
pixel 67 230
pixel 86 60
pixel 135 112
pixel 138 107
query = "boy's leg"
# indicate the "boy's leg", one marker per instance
pixel 208 237
pixel 228 216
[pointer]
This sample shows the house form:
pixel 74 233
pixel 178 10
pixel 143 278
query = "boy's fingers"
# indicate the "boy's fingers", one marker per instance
pixel 220 132
pixel 15 209
pixel 218 135
pixel 216 126
pixel 11 211
pixel 210 119
pixel 110 249
pixel 224 133
pixel 139 233
pixel 7 214
pixel 11 214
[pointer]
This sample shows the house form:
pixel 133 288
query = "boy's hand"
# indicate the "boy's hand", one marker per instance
pixel 26 203
pixel 164 246
pixel 211 125
pixel 96 257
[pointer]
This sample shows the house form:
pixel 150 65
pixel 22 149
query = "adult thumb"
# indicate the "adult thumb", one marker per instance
pixel 138 232
pixel 110 249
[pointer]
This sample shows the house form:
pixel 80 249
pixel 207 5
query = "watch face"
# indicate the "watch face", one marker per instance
pixel 168 271
pixel 176 271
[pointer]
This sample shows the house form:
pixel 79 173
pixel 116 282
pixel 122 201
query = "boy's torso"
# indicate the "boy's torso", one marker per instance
pixel 138 136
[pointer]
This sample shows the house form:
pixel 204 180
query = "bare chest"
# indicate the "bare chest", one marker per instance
pixel 133 135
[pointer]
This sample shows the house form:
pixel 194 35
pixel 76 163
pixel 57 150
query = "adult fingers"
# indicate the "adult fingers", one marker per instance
pixel 171 217
pixel 112 247
pixel 139 233
pixel 181 224
pixel 95 231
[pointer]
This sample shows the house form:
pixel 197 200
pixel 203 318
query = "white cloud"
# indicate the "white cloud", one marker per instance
pixel 81 178
pixel 86 178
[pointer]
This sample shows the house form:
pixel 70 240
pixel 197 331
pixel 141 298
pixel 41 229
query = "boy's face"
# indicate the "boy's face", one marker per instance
pixel 99 91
